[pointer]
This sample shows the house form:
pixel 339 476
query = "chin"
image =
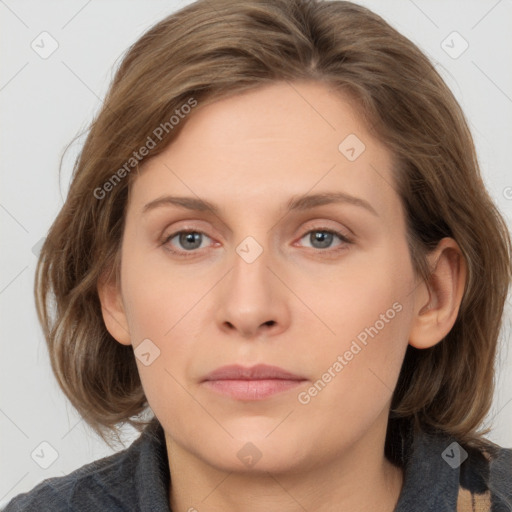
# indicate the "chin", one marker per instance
pixel 262 453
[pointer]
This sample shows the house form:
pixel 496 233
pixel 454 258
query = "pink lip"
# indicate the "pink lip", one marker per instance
pixel 253 383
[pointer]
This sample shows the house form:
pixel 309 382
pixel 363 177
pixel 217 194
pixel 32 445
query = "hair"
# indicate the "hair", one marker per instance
pixel 212 49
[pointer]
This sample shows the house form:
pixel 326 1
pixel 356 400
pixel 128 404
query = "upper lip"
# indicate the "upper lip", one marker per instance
pixel 258 372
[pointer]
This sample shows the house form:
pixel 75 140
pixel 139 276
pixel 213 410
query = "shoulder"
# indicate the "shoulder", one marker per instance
pixel 445 474
pixel 100 485
pixel 500 475
pixel 42 498
pixel 486 480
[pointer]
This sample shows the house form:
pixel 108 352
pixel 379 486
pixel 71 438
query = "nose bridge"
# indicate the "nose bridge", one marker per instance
pixel 250 275
pixel 251 298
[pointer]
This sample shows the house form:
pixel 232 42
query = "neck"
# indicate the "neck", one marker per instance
pixel 341 484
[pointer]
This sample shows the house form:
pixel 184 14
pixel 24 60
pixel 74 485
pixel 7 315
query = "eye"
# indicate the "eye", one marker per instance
pixel 187 241
pixel 322 238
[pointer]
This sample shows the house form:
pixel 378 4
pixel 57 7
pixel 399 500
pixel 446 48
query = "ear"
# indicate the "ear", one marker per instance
pixel 112 308
pixel 437 302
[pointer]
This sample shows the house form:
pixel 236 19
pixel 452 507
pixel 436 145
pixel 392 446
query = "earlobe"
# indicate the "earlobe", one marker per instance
pixel 113 310
pixel 437 302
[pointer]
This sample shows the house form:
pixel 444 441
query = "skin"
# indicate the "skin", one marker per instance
pixel 249 154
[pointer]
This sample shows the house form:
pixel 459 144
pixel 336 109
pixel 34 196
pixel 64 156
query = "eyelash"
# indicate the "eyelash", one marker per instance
pixel 331 252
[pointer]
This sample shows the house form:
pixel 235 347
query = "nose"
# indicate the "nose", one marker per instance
pixel 252 299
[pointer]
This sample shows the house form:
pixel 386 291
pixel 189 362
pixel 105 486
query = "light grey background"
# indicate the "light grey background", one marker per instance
pixel 45 102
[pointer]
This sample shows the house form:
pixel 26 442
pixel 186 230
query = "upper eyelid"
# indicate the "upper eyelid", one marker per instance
pixel 320 225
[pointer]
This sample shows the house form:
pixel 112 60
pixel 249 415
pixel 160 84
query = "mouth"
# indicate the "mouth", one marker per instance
pixel 251 383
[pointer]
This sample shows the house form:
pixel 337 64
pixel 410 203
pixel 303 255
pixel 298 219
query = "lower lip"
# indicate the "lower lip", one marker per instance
pixel 251 389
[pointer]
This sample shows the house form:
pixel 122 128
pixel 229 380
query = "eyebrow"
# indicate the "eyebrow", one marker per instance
pixel 294 203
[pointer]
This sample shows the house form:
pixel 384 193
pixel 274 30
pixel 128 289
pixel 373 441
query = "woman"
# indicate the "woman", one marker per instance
pixel 278 242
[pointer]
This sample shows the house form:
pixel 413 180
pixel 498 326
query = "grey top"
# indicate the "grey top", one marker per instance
pixel 438 477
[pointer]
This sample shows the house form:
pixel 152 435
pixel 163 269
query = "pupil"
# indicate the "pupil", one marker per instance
pixel 323 237
pixel 186 238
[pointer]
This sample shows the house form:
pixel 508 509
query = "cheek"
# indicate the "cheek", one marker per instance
pixel 371 290
pixel 157 295
pixel 357 370
pixel 367 309
pixel 163 304
pixel 157 307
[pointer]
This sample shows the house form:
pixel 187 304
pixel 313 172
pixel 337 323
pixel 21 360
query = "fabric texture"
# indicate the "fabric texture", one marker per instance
pixel 438 477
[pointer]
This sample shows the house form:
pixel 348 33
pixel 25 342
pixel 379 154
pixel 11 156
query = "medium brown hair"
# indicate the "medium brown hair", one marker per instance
pixel 212 49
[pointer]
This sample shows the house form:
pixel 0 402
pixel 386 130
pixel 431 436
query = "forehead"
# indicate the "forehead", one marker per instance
pixel 266 145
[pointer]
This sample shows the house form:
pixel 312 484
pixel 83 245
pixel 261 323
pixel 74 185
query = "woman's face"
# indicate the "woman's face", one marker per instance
pixel 323 290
